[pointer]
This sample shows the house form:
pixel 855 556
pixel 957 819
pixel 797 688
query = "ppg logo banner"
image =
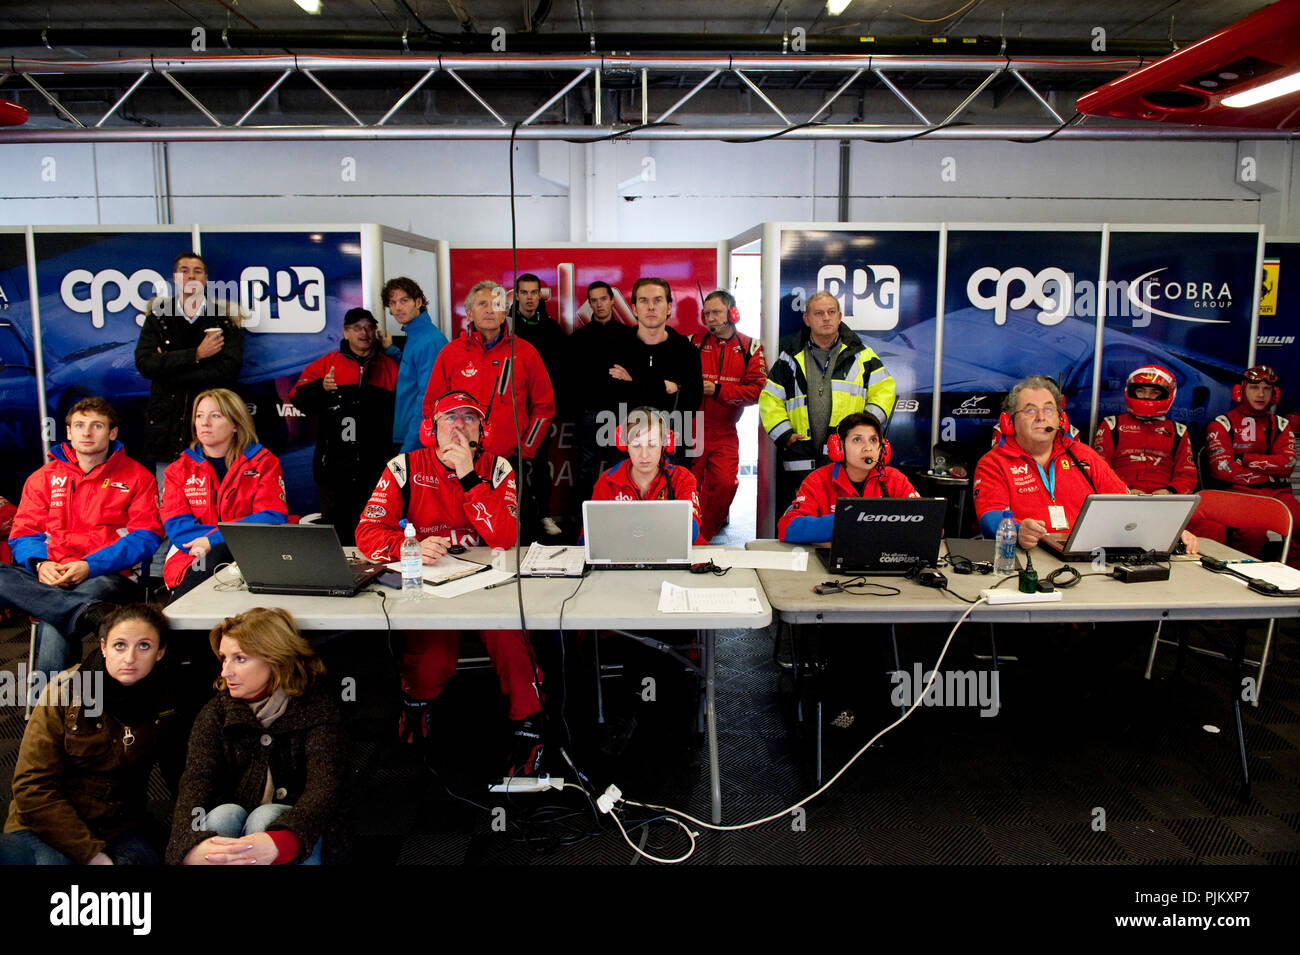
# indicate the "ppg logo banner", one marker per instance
pixel 1182 300
pixel 885 282
pixel 294 288
pixel 92 287
pixel 20 421
pixel 1016 303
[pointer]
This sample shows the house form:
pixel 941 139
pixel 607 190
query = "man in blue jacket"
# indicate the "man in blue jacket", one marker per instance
pixel 406 303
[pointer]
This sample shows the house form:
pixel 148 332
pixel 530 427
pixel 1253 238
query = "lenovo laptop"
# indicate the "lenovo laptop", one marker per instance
pixel 884 535
pixel 1124 525
pixel 295 559
pixel 637 535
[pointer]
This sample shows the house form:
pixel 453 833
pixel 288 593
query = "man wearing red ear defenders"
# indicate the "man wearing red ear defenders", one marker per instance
pixel 454 493
pixel 859 455
pixel 1036 469
pixel 647 474
pixel 734 376
pixel 1252 449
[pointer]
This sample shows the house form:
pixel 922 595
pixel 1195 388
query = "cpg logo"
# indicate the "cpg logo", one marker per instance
pixel 1052 290
pixel 870 303
pixel 296 307
pixel 109 292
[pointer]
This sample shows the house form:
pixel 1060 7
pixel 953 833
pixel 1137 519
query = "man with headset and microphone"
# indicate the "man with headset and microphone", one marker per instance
pixel 456 495
pixel 734 375
pixel 1037 469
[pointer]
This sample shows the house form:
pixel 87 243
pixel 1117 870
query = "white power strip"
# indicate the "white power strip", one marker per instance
pixel 995 597
pixel 527 784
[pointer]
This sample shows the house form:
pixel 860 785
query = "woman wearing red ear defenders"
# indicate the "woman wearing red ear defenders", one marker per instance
pixel 1251 449
pixel 454 493
pixel 859 455
pixel 647 474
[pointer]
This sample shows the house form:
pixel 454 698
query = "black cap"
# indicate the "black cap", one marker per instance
pixel 355 315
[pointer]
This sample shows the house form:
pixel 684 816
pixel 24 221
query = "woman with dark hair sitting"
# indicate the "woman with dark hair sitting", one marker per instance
pixel 265 762
pixel 93 737
pixel 859 455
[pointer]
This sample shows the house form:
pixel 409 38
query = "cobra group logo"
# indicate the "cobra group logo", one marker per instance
pixel 1204 297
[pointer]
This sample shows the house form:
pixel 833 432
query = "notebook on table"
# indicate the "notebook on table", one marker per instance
pixel 884 535
pixel 1124 526
pixel 637 535
pixel 299 559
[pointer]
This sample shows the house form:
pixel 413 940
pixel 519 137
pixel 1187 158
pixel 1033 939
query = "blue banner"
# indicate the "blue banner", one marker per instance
pixel 20 420
pixel 1182 300
pixel 885 282
pixel 1279 317
pixel 1016 303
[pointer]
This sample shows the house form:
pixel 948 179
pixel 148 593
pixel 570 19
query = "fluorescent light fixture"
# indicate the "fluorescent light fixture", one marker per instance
pixel 836 7
pixel 1264 92
pixel 311 6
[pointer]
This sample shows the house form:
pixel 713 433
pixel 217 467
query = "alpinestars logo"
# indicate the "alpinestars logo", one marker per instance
pixel 972 406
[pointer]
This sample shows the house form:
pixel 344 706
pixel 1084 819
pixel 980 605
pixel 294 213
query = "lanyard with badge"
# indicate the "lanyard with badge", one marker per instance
pixel 1055 512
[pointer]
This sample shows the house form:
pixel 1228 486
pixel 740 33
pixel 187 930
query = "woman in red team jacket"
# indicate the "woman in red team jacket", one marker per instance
pixel 225 475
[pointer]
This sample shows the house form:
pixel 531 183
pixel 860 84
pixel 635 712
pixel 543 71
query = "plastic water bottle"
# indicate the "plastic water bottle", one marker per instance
pixel 1004 551
pixel 412 574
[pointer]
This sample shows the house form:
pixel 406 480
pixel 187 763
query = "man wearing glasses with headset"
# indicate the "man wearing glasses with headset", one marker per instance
pixel 1036 469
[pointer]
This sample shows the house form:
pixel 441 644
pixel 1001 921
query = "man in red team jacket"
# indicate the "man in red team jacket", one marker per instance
pixel 479 363
pixel 1252 450
pixel 85 522
pixel 1150 453
pixel 734 374
pixel 455 493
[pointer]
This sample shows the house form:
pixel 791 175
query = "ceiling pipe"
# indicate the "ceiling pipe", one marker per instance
pixel 586 134
pixel 239 38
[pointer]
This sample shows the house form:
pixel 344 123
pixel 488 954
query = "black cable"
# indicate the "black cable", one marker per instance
pixel 950 591
pixel 857 585
pixel 1044 138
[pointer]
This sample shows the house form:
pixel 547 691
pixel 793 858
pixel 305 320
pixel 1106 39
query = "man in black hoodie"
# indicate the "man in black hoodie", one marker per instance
pixel 658 367
pixel 531 323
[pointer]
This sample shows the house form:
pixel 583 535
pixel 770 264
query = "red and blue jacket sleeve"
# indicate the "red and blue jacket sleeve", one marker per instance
pixel 27 537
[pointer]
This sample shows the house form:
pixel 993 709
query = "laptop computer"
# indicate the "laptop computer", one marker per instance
pixel 1124 525
pixel 295 559
pixel 884 535
pixel 637 535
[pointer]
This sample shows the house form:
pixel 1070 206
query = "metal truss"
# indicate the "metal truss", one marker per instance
pixel 763 76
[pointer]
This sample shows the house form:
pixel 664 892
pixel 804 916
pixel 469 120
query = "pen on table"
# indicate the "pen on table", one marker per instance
pixel 502 583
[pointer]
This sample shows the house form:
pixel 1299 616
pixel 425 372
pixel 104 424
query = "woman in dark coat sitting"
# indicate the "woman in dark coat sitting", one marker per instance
pixel 83 767
pixel 265 764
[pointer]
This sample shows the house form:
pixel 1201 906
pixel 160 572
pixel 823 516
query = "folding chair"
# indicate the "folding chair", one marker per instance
pixel 1250 512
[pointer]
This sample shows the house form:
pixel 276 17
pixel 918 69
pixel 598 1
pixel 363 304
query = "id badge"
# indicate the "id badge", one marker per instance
pixel 1056 514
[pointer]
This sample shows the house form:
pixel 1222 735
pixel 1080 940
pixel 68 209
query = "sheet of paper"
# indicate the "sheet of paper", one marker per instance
pixel 549 560
pixel 674 599
pixel 796 559
pixel 1288 578
pixel 443 568
pixel 468 584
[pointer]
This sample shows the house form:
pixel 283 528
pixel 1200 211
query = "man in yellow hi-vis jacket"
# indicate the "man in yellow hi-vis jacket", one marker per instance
pixel 822 374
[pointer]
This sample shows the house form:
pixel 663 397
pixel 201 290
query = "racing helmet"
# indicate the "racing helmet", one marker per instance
pixel 1258 373
pixel 1156 376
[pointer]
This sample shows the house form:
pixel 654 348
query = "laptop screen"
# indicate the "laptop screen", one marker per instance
pixel 637 532
pixel 1131 522
pixel 886 534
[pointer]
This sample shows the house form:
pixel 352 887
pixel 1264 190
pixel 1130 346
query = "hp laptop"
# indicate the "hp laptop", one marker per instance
pixel 637 535
pixel 1124 525
pixel 295 559
pixel 884 535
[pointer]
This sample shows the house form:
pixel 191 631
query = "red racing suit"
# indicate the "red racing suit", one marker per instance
pixel 810 517
pixel 466 365
pixel 193 504
pixel 1008 478
pixel 481 507
pixel 1254 454
pixel 108 518
pixel 672 483
pixel 1148 454
pixel 736 366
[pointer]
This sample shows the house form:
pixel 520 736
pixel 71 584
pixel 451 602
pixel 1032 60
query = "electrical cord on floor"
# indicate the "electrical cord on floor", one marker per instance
pixel 615 800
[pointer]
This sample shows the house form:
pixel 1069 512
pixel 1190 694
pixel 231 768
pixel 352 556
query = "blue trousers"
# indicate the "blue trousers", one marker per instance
pixel 58 608
pixel 27 848
pixel 232 821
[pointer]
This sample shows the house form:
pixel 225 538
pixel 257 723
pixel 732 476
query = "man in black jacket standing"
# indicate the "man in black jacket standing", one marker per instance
pixel 530 322
pixel 659 367
pixel 596 346
pixel 188 343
